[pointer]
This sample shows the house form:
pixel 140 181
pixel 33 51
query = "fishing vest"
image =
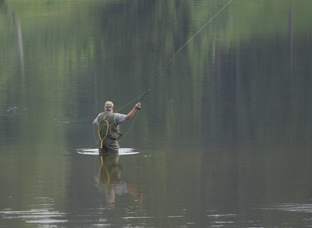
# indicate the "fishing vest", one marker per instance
pixel 113 129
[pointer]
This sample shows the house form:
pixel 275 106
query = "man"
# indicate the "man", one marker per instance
pixel 110 142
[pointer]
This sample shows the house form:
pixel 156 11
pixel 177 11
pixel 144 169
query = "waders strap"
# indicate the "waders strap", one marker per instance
pixel 103 132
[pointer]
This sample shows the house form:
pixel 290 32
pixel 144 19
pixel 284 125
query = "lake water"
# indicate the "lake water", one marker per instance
pixel 224 136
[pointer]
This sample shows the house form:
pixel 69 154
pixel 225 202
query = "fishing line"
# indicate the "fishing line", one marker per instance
pixel 142 95
pixel 171 59
pixel 95 138
pixel 124 136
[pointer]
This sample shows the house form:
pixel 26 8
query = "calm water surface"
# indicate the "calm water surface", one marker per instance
pixel 223 138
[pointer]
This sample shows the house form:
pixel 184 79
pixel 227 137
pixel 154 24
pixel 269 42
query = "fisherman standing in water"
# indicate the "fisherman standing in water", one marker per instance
pixel 109 142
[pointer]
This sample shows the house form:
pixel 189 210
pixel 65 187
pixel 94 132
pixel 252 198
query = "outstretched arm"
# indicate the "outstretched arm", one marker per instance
pixel 131 113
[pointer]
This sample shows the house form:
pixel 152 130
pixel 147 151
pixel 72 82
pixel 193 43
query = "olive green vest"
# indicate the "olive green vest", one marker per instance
pixel 113 130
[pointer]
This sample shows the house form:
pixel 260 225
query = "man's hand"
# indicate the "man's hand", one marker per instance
pixel 131 113
pixel 138 106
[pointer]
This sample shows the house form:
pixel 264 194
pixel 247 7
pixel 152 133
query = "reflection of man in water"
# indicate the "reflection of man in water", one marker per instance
pixel 110 143
pixel 108 179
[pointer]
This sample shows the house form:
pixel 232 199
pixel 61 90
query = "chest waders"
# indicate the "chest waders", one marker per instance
pixel 107 128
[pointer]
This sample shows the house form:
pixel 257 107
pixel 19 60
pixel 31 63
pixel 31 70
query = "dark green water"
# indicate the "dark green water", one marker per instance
pixel 223 139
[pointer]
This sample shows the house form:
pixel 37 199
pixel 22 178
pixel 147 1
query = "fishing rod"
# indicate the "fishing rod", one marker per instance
pixel 143 95
pixel 171 59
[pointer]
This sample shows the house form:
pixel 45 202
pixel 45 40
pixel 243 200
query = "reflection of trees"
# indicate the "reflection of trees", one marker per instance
pixel 210 72
pixel 20 41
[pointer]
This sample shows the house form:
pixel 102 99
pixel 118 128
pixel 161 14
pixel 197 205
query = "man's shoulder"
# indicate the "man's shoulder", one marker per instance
pixel 118 115
pixel 119 118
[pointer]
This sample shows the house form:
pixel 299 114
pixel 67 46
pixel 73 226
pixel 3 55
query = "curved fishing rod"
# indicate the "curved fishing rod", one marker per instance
pixel 171 59
pixel 167 64
pixel 173 56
